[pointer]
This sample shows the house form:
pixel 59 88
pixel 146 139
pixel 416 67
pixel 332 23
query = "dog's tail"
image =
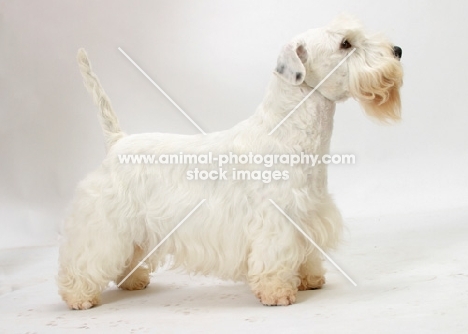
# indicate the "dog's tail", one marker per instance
pixel 109 122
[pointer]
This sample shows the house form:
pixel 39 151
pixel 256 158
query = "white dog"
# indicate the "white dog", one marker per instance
pixel 122 211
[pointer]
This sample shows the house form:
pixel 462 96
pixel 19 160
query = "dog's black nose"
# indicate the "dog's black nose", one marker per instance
pixel 397 51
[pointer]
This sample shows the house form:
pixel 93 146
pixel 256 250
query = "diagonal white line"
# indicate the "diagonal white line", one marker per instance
pixel 160 89
pixel 161 242
pixel 313 242
pixel 308 95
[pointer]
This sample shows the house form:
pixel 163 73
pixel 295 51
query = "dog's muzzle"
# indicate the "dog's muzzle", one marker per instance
pixel 397 51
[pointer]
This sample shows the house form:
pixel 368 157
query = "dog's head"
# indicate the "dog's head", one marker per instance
pixel 372 74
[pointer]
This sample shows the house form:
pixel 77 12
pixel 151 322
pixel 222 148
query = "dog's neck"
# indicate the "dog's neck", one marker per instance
pixel 308 129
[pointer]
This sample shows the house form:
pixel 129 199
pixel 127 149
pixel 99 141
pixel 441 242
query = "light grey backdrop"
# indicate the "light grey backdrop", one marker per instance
pixel 215 58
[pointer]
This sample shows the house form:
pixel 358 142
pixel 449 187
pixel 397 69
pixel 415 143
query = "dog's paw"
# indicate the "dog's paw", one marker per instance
pixel 139 280
pixel 280 298
pixel 311 283
pixel 133 284
pixel 281 301
pixel 82 304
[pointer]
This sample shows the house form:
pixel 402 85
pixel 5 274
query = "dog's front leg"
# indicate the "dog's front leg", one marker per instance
pixel 276 286
pixel 312 273
pixel 273 263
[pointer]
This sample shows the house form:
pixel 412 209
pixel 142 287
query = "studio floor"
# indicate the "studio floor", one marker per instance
pixel 411 271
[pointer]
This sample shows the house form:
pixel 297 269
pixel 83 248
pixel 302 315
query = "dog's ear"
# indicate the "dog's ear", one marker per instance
pixel 291 61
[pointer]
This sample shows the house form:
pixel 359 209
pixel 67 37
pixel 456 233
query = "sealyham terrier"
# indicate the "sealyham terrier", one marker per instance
pixel 120 221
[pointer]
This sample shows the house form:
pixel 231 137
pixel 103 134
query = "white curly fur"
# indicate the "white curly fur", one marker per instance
pixel 121 211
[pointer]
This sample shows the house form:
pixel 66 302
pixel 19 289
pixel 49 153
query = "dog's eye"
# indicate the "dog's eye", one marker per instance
pixel 345 44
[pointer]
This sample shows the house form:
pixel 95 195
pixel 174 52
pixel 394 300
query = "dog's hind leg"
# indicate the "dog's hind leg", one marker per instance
pixel 140 278
pixel 93 255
